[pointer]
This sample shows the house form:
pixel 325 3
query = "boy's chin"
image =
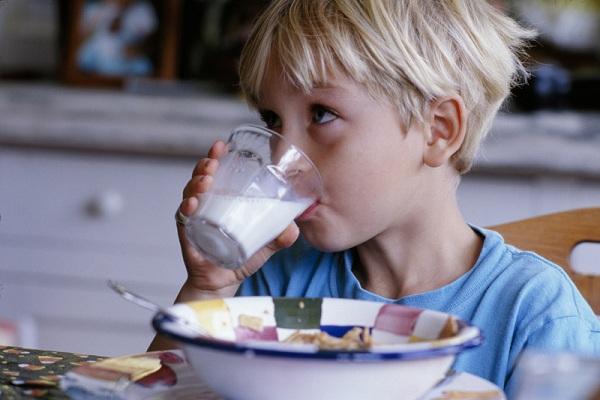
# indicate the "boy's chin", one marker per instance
pixel 325 241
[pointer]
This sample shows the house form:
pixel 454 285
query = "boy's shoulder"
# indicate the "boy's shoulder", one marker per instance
pixel 534 267
pixel 536 283
pixel 523 264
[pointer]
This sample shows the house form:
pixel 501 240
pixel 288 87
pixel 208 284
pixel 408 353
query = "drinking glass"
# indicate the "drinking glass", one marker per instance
pixel 262 184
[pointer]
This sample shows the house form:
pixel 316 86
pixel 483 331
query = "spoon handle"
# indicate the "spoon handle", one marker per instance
pixel 134 298
pixel 145 303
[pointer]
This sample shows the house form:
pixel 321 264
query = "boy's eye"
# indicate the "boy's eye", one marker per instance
pixel 321 115
pixel 270 119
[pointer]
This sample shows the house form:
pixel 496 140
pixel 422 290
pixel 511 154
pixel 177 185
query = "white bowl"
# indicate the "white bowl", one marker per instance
pixel 414 348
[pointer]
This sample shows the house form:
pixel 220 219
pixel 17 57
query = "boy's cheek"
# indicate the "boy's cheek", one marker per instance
pixel 329 235
pixel 322 236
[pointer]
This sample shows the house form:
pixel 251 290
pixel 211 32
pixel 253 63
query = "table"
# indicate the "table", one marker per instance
pixel 31 374
pixel 28 373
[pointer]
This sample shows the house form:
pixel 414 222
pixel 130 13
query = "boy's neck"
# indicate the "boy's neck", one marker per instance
pixel 422 255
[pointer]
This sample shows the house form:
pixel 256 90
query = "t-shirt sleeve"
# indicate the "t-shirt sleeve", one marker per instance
pixel 572 334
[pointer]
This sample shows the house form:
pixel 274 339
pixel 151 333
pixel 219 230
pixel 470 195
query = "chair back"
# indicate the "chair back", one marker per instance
pixel 554 236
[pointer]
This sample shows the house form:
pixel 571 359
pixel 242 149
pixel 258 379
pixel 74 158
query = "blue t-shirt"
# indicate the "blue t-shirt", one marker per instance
pixel 517 298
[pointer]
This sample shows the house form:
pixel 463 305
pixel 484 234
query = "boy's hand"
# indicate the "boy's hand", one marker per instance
pixel 204 277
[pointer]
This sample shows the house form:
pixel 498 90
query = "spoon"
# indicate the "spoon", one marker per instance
pixel 150 305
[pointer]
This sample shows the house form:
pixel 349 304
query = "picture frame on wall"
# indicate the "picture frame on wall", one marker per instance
pixel 107 42
pixel 213 35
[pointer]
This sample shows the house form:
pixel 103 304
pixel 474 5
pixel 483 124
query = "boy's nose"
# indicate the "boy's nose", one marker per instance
pixel 297 133
pixel 294 163
pixel 298 173
pixel 284 151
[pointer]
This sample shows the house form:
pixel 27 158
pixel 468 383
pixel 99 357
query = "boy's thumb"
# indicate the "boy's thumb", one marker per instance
pixel 286 238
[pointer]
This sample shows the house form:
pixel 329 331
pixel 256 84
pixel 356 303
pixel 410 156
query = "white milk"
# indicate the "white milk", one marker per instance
pixel 251 221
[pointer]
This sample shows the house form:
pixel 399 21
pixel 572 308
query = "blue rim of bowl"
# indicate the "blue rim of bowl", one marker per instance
pixel 363 355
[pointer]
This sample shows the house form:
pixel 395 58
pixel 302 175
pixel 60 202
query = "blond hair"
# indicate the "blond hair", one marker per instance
pixel 408 51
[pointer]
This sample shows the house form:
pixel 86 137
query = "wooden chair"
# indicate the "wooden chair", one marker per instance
pixel 554 236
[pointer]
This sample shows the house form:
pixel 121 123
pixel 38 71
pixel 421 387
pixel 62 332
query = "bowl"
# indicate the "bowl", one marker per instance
pixel 402 351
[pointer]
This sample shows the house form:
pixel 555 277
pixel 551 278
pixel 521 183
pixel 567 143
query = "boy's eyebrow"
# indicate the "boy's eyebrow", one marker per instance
pixel 324 89
pixel 328 87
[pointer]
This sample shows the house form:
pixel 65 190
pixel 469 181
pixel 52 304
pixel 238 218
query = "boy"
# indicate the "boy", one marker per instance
pixel 390 99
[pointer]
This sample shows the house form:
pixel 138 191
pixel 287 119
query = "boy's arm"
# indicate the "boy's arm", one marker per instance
pixel 570 334
pixel 207 280
pixel 189 293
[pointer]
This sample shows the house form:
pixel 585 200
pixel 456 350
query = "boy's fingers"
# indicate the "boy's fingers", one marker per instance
pixel 217 149
pixel 209 164
pixel 187 250
pixel 196 185
pixel 285 239
pixel 206 166
pixel 199 167
pixel 188 206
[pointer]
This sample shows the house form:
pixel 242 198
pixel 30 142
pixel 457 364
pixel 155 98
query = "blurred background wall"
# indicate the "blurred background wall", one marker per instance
pixel 106 105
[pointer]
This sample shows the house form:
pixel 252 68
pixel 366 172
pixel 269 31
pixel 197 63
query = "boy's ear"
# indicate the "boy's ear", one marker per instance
pixel 446 130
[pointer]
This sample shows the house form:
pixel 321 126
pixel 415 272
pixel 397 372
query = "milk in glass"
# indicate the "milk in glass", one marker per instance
pixel 250 221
